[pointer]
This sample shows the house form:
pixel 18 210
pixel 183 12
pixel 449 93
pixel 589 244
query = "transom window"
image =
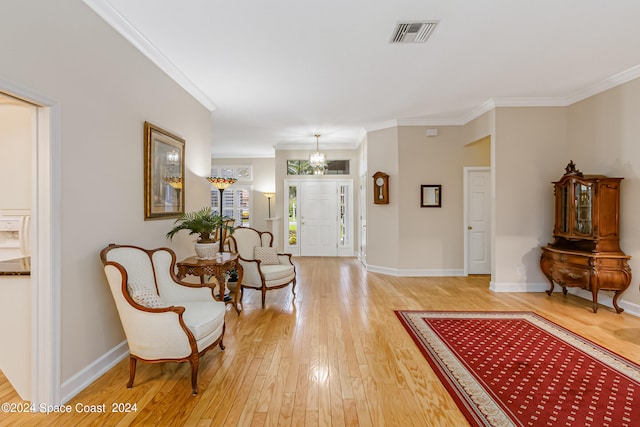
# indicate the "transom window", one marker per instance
pixel 302 167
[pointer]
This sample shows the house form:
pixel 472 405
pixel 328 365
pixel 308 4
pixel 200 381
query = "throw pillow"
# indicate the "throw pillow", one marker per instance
pixel 145 296
pixel 266 254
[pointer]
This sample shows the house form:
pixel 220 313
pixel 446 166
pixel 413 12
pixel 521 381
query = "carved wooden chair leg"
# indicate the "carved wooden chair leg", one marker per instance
pixel 194 375
pixel 132 371
pixel 224 327
pixel 264 294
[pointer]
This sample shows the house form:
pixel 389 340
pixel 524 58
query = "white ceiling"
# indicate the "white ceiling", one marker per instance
pixel 277 72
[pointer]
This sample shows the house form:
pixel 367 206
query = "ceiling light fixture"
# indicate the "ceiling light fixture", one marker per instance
pixel 317 160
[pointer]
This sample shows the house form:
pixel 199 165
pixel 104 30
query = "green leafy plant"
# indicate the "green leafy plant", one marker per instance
pixel 204 223
pixel 233 275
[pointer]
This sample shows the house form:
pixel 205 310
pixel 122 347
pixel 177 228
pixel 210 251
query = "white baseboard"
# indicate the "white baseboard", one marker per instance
pixel 520 287
pixel 604 297
pixel 413 273
pixel 95 370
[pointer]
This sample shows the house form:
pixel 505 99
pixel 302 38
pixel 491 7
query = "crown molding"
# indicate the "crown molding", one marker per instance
pixel 446 121
pixel 613 81
pixel 490 104
pixel 112 17
pixel 529 102
pixel 372 127
pixel 481 109
pixel 217 156
pixel 306 146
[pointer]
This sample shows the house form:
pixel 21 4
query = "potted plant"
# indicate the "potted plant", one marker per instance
pixel 232 280
pixel 204 223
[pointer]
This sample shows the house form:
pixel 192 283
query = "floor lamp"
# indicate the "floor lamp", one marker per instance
pixel 221 184
pixel 269 196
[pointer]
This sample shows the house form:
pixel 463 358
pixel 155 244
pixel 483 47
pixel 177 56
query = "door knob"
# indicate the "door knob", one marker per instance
pixel 469 227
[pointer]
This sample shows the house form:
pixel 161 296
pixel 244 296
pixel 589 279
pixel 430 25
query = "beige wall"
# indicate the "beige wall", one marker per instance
pixel 603 139
pixel 478 153
pixel 430 239
pixel 480 127
pixel 105 90
pixel 264 179
pixel 530 152
pixel 15 163
pixel 383 221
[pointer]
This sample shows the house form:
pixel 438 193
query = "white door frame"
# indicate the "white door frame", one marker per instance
pixel 362 220
pixel 46 246
pixel 466 212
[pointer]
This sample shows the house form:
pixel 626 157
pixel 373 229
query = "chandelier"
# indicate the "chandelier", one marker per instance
pixel 317 160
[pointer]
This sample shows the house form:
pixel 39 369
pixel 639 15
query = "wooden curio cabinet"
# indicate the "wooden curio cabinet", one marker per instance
pixel 586 250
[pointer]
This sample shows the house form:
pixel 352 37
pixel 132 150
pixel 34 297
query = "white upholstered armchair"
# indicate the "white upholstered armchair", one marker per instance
pixel 164 319
pixel 264 268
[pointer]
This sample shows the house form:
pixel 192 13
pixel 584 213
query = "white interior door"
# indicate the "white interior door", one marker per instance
pixel 478 223
pixel 318 224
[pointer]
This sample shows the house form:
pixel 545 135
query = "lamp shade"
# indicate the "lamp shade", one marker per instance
pixel 221 183
pixel 174 181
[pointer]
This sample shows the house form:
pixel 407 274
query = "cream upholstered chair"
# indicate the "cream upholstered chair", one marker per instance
pixel 264 268
pixel 164 319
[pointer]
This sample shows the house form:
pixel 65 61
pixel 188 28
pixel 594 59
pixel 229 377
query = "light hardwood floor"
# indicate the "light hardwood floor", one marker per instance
pixel 335 355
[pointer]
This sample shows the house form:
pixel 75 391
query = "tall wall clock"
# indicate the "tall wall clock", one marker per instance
pixel 380 188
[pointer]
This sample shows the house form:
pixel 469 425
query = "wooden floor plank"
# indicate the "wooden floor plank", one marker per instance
pixel 335 354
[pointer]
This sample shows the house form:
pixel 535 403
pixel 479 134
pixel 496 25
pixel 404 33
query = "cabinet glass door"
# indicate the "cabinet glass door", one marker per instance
pixel 565 204
pixel 583 201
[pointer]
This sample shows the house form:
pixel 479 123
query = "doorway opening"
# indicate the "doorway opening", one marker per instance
pixel 43 302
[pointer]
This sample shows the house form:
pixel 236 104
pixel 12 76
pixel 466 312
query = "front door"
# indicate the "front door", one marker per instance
pixel 318 223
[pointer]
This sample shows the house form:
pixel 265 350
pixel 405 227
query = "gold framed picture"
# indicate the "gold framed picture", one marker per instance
pixel 163 173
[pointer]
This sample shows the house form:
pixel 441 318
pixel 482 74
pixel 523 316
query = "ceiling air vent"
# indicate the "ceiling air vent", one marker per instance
pixel 413 32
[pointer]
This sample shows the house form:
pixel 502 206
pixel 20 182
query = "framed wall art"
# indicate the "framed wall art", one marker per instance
pixel 431 196
pixel 163 173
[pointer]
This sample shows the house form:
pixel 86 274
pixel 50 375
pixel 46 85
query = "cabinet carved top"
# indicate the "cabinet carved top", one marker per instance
pixel 571 172
pixel 571 169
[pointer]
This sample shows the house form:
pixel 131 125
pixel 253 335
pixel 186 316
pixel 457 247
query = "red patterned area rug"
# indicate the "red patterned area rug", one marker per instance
pixel 519 369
